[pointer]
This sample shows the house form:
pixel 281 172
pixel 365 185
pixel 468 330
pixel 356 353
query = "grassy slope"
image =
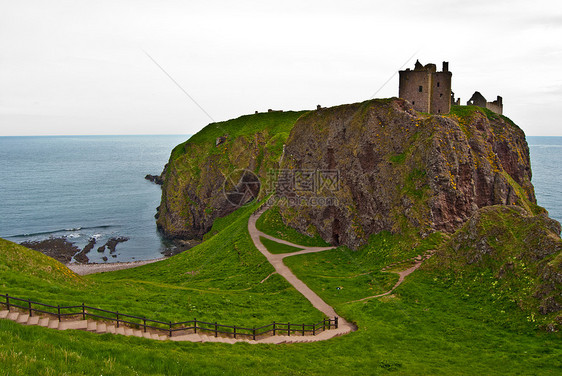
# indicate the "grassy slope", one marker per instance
pixel 343 275
pixel 218 280
pixel 509 257
pixel 426 327
pixel 272 224
pixel 189 156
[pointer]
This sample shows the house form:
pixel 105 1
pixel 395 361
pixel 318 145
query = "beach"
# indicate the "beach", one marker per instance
pixel 84 269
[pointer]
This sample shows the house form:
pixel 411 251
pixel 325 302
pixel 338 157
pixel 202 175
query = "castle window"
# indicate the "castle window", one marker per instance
pixel 440 95
pixel 438 84
pixel 420 89
pixel 413 102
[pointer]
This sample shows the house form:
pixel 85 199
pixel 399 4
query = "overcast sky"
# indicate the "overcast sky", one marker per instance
pixel 79 67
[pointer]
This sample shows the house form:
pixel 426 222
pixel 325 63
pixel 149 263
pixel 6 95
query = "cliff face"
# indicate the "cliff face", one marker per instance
pixel 218 170
pixel 402 171
pixel 395 169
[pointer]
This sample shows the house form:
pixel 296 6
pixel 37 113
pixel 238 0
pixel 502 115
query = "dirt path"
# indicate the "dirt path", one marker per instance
pixel 277 261
pixel 402 275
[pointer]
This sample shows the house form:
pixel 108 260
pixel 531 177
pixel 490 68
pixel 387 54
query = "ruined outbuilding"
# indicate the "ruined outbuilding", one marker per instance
pixel 428 90
pixel 478 99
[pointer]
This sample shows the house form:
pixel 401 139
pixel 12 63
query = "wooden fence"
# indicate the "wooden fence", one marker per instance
pixel 170 328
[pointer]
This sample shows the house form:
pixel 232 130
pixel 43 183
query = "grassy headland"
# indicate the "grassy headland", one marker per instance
pixel 450 317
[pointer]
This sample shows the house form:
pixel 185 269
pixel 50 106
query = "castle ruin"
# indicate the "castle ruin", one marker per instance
pixel 478 99
pixel 428 90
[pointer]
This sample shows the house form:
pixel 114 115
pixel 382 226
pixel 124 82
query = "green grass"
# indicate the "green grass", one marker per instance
pixel 398 158
pixel 337 277
pixel 510 257
pixel 278 248
pixel 272 224
pixel 219 280
pixel 343 275
pixel 275 123
pixel 468 111
pixel 427 328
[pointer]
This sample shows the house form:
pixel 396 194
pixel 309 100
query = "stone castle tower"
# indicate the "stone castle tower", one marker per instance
pixel 428 90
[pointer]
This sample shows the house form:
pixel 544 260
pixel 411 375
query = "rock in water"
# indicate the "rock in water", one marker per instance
pixel 112 243
pixel 82 255
pixel 156 179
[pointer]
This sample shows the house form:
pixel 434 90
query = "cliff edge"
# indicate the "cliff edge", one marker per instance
pixel 401 171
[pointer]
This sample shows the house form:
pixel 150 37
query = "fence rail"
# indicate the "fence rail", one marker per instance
pixel 170 328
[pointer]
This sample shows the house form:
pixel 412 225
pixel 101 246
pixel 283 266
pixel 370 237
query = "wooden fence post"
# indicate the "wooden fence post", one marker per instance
pixel 303 329
pixel 195 325
pixel 170 328
pixel 289 329
pixel 144 324
pixel 234 331
pixel 117 316
pixel 254 334
pixel 58 311
pixel 216 329
pixel 83 312
pixel 29 306
pixel 274 328
pixel 336 321
pixel 7 302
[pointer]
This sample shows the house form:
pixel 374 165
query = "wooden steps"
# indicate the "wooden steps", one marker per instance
pixel 104 327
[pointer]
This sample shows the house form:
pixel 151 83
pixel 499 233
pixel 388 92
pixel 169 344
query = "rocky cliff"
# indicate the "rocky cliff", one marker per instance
pixel 392 168
pixel 402 171
pixel 218 170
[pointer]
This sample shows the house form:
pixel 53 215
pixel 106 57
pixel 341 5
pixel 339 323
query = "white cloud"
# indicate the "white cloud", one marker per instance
pixel 78 67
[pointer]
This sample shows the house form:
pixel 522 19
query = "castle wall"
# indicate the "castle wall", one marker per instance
pixel 441 93
pixel 494 106
pixel 409 89
pixel 478 99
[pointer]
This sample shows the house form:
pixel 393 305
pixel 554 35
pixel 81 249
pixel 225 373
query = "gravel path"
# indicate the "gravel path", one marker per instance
pixel 277 261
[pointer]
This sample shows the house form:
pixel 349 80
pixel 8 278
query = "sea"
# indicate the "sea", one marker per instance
pixel 83 187
pixel 546 157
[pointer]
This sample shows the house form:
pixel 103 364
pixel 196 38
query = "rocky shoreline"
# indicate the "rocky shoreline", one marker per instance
pixel 58 248
pixel 62 250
